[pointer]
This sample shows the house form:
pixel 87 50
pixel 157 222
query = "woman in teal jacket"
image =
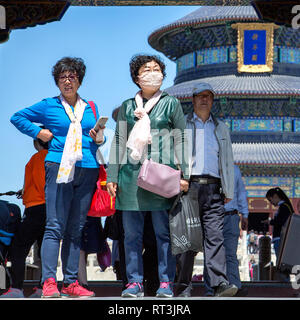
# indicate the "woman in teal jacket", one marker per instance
pixel 167 130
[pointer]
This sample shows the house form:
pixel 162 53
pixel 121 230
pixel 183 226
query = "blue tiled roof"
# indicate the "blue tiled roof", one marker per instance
pixel 242 85
pixel 206 13
pixel 266 153
pixel 212 13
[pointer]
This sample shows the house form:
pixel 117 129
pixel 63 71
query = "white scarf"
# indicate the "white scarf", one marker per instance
pixel 140 111
pixel 140 134
pixel 73 145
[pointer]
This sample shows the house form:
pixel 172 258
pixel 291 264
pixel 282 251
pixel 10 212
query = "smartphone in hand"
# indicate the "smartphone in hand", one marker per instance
pixel 100 123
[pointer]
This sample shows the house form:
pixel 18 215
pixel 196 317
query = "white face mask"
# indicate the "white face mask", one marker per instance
pixel 150 80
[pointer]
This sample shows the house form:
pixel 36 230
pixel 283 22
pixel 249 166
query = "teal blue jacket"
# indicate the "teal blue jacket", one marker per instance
pixel 51 113
pixel 166 115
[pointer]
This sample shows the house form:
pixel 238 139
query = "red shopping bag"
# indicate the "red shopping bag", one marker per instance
pixel 103 204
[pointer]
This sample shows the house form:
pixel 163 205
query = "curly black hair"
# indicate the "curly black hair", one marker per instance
pixel 69 64
pixel 137 61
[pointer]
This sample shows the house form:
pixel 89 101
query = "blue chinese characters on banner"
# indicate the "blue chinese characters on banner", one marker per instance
pixel 255 47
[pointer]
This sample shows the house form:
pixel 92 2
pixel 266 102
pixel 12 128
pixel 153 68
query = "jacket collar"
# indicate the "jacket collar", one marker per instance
pixel 163 94
pixel 190 118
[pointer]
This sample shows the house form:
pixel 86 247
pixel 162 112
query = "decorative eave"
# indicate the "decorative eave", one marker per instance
pixel 267 159
pixel 240 96
pixel 271 165
pixel 268 156
pixel 29 13
pixel 273 86
pixel 212 26
pixel 203 17
pixel 159 2
pixel 179 25
pixel 255 170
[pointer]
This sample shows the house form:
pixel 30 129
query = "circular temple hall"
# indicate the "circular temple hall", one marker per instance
pixel 254 68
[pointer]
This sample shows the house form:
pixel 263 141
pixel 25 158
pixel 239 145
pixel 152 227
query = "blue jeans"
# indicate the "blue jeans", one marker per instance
pixel 133 224
pixel 231 232
pixel 67 205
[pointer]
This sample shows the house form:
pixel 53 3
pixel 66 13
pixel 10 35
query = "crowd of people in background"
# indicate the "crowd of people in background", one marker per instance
pixel 60 180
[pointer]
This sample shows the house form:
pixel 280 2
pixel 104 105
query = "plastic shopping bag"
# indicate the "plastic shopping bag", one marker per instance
pixel 185 224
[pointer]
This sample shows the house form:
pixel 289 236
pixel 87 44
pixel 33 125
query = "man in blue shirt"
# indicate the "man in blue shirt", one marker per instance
pixel 231 231
pixel 212 175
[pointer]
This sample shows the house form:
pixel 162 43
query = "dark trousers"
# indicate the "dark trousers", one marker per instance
pixel 121 272
pixel 231 238
pixel 211 212
pixel 184 272
pixel 31 229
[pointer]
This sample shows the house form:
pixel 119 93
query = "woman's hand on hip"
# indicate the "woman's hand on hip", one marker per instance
pixel 184 185
pixel 112 188
pixel 45 135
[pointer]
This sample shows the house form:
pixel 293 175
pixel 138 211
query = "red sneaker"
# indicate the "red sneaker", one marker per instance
pixel 50 289
pixel 75 290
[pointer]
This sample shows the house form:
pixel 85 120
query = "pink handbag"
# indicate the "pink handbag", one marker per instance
pixel 159 178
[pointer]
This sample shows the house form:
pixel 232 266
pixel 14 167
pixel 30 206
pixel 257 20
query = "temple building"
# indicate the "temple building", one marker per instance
pixel 253 65
pixel 254 68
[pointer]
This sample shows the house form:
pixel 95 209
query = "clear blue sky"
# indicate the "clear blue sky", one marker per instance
pixel 105 37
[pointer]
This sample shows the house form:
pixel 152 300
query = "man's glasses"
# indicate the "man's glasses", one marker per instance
pixel 71 78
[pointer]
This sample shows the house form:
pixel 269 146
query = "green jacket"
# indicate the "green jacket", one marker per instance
pixel 165 116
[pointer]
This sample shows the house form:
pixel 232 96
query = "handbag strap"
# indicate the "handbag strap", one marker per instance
pixel 92 105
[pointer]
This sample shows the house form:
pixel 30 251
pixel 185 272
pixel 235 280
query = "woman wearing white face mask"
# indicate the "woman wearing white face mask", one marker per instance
pixel 166 114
